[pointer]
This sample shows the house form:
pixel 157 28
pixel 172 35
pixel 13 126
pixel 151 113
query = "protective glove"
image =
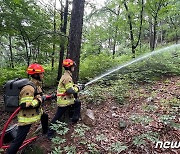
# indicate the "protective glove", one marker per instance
pixel 81 86
pixel 53 96
pixel 23 105
pixel 75 95
pixel 43 98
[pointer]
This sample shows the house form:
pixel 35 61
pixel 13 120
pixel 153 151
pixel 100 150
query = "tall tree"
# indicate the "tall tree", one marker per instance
pixel 153 8
pixel 54 29
pixel 130 21
pixel 63 27
pixel 75 34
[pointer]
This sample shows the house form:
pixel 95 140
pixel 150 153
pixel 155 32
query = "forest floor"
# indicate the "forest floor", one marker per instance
pixel 140 114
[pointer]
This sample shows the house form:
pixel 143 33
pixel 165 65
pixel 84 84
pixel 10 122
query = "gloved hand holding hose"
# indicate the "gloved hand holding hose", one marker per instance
pixel 50 97
pixel 81 86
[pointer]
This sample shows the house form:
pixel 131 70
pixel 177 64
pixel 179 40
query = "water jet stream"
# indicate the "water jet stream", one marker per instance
pixel 169 48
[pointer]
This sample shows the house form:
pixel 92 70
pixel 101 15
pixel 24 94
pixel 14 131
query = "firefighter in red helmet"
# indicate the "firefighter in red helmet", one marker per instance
pixel 67 95
pixel 30 100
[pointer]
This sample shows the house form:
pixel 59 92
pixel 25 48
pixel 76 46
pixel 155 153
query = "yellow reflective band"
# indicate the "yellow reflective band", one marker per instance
pixel 68 101
pixel 30 69
pixel 65 102
pixel 29 120
pixel 68 63
pixel 69 85
pixel 73 86
pixel 37 70
pixel 26 99
pixel 61 89
pixel 34 102
pixel 76 89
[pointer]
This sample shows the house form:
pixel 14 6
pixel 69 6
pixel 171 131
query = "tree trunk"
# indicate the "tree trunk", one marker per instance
pixel 27 52
pixel 115 35
pixel 25 37
pixel 11 54
pixel 161 33
pixel 76 34
pixel 30 51
pixel 155 16
pixel 63 30
pixel 150 34
pixel 130 28
pixel 154 33
pixel 54 25
pixel 133 44
pixel 38 50
pixel 176 36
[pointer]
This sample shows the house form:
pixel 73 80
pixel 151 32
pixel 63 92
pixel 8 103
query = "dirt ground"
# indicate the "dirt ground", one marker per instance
pixel 109 114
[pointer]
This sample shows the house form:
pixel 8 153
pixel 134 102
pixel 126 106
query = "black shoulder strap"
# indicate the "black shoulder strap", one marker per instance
pixel 35 88
pixel 11 84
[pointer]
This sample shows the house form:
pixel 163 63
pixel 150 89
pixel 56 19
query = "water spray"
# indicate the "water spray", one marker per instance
pixel 134 61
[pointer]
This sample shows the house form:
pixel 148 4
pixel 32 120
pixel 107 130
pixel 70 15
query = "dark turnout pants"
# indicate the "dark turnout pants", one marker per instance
pixel 22 133
pixel 61 110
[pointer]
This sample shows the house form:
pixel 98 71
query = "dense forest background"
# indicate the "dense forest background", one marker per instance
pixel 33 31
pixel 134 107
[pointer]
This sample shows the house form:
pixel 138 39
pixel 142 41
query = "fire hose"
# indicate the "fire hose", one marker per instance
pixel 26 142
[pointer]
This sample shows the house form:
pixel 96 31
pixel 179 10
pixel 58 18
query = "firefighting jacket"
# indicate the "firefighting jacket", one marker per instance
pixel 66 86
pixel 28 96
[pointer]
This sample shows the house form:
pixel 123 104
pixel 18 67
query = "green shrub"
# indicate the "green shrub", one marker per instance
pixel 119 90
pixel 94 94
pixel 154 67
pixel 9 74
pixel 95 65
pixel 20 72
pixel 50 76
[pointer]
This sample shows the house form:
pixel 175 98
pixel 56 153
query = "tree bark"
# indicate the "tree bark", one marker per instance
pixel 11 53
pixel 154 33
pixel 75 34
pixel 116 31
pixel 54 26
pixel 63 30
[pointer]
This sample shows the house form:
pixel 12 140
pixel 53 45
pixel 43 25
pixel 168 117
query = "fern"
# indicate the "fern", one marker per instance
pixel 70 149
pixel 101 137
pixel 141 139
pixel 60 128
pixel 118 147
pixel 141 119
pixel 80 130
pixel 58 140
pixel 92 149
pixel 57 150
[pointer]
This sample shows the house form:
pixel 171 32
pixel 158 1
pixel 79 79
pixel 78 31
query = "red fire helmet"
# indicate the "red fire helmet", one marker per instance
pixel 35 68
pixel 68 63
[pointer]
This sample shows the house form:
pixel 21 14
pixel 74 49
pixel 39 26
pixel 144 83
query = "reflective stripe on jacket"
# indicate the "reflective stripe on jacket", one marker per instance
pixel 29 116
pixel 65 83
